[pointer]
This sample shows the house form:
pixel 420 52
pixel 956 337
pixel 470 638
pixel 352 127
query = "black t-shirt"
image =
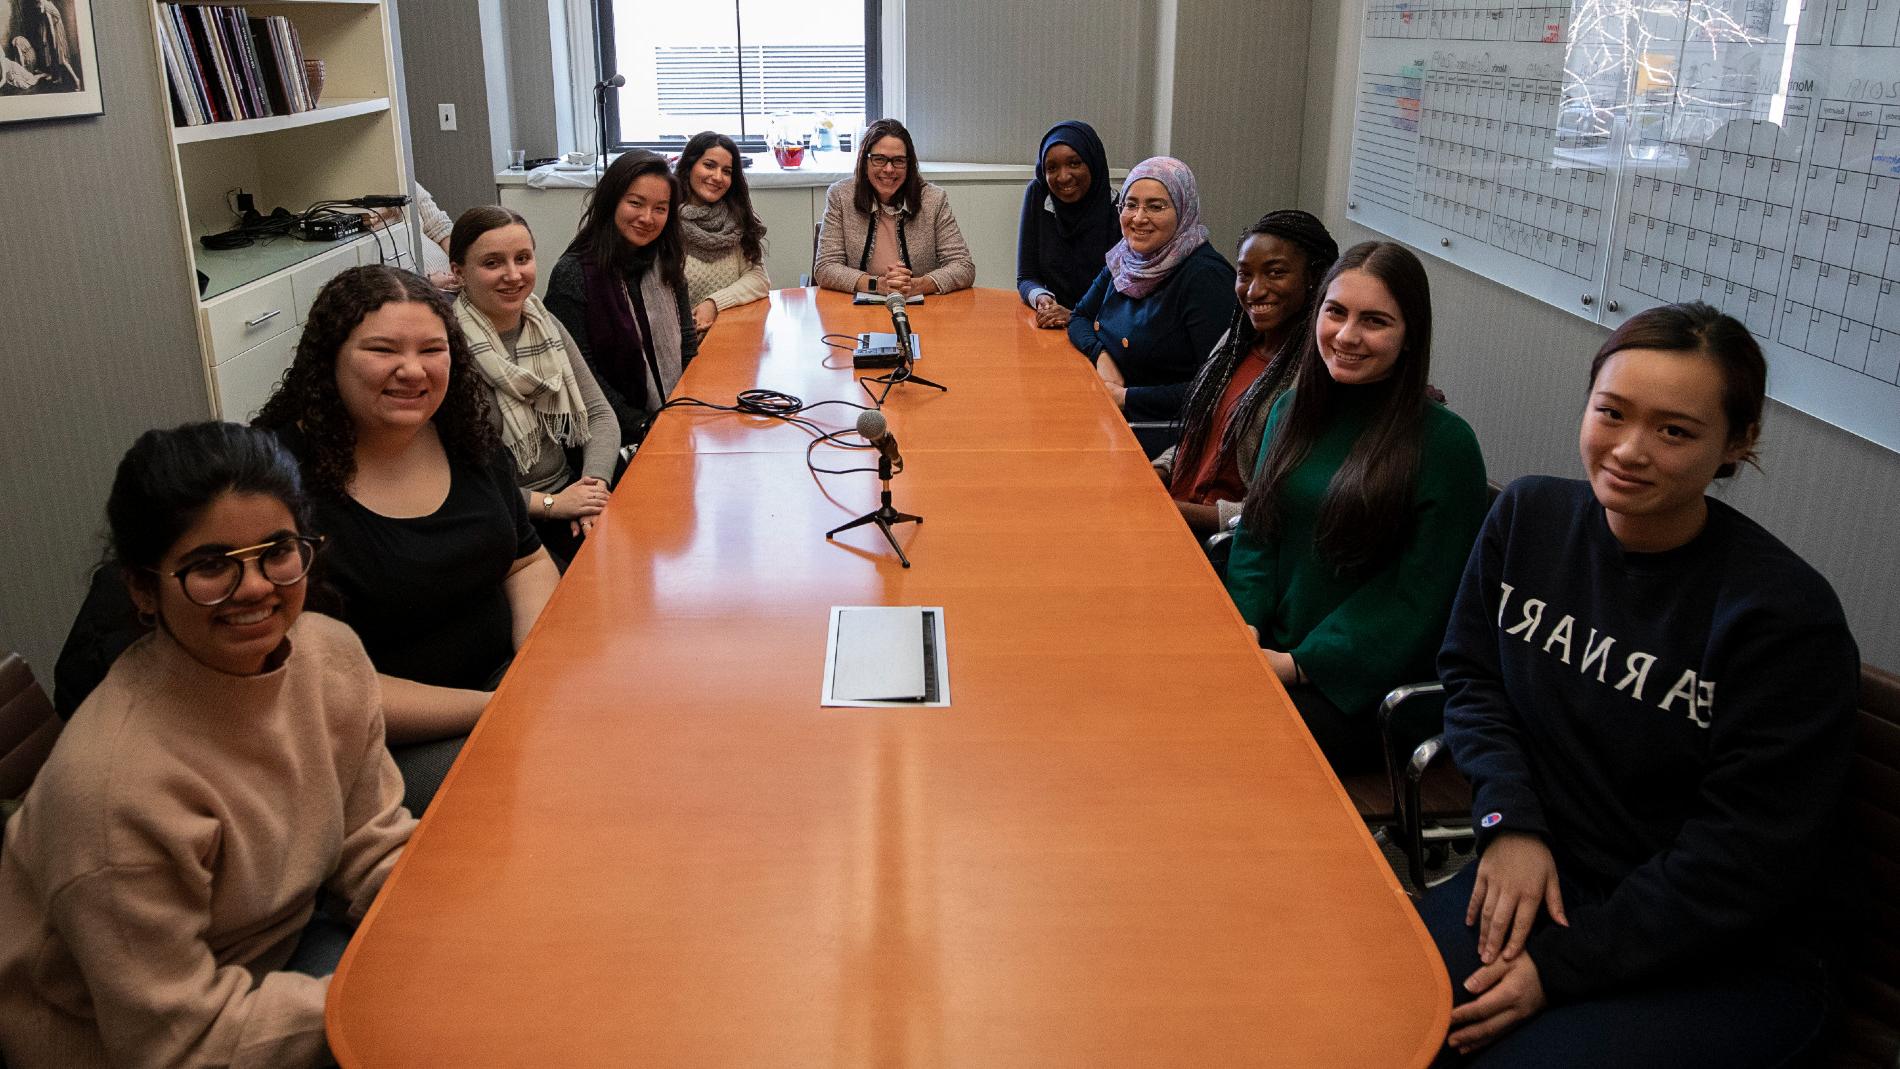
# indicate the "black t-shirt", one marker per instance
pixel 426 594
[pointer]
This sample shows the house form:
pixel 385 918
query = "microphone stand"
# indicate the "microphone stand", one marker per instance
pixel 600 125
pixel 884 515
pixel 903 372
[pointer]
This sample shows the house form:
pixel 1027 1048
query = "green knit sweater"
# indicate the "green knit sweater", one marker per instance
pixel 1357 639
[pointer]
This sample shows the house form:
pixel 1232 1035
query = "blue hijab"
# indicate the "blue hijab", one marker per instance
pixel 1098 204
pixel 1068 242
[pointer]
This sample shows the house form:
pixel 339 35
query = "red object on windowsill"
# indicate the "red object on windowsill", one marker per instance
pixel 789 156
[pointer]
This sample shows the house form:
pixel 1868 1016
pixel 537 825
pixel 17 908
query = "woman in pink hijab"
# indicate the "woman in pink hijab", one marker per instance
pixel 1155 311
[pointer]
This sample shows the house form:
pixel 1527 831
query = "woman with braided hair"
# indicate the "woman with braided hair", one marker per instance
pixel 1276 275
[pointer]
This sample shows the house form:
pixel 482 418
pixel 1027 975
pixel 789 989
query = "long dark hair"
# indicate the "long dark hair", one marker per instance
pixel 307 397
pixel 911 193
pixel 598 240
pixel 479 220
pixel 169 477
pixel 738 195
pixel 1310 236
pixel 1695 327
pixel 1367 512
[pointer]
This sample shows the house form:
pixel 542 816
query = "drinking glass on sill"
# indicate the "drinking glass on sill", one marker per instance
pixel 518 159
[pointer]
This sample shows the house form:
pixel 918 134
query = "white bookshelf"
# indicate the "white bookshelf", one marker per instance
pixel 328 111
pixel 252 306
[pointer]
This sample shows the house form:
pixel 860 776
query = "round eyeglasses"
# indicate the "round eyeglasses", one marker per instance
pixel 213 580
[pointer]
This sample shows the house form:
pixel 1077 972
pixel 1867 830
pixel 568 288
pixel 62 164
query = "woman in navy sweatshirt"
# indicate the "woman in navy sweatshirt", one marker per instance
pixel 1653 699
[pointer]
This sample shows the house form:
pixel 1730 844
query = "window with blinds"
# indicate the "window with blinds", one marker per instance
pixel 743 67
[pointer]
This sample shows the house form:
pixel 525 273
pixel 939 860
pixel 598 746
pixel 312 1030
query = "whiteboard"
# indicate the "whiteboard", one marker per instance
pixel 1607 156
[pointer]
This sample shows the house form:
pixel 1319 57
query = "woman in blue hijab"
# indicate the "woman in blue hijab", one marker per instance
pixel 1068 223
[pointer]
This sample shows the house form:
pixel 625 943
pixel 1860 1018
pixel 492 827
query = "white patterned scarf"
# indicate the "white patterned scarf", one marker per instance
pixel 535 391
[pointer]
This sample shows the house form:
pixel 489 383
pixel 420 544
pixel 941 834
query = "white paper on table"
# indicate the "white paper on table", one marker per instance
pixel 880 656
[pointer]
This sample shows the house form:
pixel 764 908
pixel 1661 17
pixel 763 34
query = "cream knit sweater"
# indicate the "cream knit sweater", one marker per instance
pixel 169 855
pixel 729 281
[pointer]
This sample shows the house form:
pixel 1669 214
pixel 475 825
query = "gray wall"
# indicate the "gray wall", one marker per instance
pixel 1106 70
pixel 1515 368
pixel 1240 139
pixel 442 62
pixel 531 76
pixel 100 342
pixel 987 78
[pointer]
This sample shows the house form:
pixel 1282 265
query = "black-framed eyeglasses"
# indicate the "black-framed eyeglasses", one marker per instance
pixel 877 161
pixel 212 580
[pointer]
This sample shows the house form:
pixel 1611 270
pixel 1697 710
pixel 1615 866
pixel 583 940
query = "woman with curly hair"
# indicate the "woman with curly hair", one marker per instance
pixel 725 241
pixel 1276 276
pixel 438 567
pixel 620 289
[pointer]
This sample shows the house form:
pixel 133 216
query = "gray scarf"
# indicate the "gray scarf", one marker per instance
pixel 710 230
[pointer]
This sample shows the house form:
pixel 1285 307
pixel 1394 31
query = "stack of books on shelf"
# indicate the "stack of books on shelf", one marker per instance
pixel 224 64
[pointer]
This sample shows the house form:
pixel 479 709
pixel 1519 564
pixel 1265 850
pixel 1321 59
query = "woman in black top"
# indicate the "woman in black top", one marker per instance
pixel 438 568
pixel 620 289
pixel 1068 223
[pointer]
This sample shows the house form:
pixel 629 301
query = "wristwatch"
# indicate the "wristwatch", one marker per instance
pixel 547 505
pixel 874 285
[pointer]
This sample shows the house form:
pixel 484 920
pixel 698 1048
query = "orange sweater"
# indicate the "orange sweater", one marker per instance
pixel 169 855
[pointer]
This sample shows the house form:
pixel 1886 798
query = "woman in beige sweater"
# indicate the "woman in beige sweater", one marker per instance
pixel 886 230
pixel 157 878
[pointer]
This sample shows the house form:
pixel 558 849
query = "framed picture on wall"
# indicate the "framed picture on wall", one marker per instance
pixel 49 64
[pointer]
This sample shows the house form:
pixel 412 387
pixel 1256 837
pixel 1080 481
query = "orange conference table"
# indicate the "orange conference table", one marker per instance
pixel 1116 846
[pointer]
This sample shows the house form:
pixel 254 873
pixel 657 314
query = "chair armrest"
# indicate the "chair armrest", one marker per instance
pixel 1224 534
pixel 1411 818
pixel 1150 424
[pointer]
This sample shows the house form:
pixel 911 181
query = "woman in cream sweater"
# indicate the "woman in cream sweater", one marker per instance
pixel 725 242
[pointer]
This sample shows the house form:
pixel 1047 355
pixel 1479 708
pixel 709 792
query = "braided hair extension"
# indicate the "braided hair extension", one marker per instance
pixel 1197 414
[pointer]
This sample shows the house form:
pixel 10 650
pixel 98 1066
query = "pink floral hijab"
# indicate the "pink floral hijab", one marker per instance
pixel 1137 275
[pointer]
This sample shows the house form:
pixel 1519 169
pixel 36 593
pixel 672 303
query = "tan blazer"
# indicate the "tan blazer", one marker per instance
pixel 936 245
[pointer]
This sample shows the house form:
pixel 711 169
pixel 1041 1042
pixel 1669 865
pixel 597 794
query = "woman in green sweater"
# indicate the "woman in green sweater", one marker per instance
pixel 1365 505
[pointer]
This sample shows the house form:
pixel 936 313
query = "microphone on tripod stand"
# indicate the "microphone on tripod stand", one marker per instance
pixel 900 322
pixel 906 357
pixel 600 116
pixel 874 428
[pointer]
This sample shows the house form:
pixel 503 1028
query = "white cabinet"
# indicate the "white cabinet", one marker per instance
pixel 244 382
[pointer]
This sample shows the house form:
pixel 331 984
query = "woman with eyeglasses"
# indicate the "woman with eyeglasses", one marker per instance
pixel 886 230
pixel 1155 311
pixel 432 553
pixel 159 875
pixel 620 289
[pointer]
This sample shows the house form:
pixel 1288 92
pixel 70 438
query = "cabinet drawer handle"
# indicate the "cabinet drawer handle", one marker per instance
pixel 265 318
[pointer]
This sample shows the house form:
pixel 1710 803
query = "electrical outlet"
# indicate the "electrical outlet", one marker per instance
pixel 445 116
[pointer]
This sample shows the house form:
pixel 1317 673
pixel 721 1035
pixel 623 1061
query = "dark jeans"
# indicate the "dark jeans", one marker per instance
pixel 1350 743
pixel 1736 1012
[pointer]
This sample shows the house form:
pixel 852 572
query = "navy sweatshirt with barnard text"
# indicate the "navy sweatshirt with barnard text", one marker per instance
pixel 1677 726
